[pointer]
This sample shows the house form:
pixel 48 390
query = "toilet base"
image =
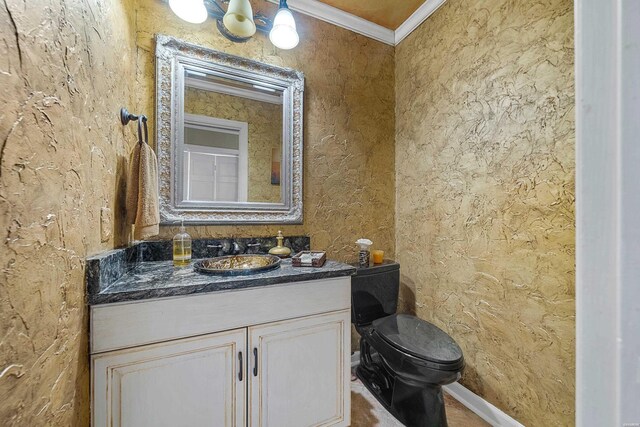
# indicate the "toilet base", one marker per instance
pixel 414 405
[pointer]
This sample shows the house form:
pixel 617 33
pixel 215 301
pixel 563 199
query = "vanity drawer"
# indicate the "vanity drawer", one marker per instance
pixel 131 324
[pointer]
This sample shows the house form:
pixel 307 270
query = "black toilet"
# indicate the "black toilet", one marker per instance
pixel 404 361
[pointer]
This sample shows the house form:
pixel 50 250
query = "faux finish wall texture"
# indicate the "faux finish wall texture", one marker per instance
pixel 62 158
pixel 67 66
pixel 485 195
pixel 348 125
pixel 484 169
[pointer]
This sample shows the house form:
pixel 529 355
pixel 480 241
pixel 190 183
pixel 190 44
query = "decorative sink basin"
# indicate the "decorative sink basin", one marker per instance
pixel 233 265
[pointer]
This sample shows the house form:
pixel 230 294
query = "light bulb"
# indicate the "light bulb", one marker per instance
pixel 192 11
pixel 283 33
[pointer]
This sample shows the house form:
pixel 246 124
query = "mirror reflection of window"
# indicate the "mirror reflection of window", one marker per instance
pixel 215 159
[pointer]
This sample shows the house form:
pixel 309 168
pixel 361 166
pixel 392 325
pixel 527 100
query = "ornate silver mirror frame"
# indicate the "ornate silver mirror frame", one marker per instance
pixel 172 55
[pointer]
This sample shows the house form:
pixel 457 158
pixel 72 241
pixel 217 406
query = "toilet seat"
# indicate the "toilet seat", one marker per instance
pixel 419 339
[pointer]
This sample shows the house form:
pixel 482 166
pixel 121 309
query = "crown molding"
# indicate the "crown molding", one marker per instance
pixel 343 19
pixel 418 17
pixel 340 18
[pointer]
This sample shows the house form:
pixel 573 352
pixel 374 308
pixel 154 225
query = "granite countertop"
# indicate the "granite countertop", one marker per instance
pixel 156 279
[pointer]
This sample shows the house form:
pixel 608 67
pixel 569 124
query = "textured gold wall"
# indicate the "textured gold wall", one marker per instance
pixel 265 134
pixel 62 159
pixel 348 124
pixel 484 156
pixel 485 195
pixel 67 66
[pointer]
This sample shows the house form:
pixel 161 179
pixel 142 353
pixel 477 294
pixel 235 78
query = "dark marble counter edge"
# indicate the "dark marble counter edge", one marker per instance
pixel 106 268
pixel 240 282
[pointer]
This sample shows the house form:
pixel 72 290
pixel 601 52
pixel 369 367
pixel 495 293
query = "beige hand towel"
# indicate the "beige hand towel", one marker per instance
pixel 142 192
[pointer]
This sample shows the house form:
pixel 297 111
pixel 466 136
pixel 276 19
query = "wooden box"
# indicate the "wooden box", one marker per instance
pixel 318 259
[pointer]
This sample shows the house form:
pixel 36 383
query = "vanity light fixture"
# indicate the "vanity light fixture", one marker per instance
pixel 237 21
pixel 192 11
pixel 283 34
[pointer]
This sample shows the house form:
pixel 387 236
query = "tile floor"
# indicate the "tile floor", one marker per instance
pixel 366 411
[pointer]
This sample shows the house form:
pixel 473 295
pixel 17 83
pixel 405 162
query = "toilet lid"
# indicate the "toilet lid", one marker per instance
pixel 418 338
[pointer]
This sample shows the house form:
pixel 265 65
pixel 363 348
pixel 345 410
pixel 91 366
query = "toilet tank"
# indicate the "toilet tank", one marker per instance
pixel 374 292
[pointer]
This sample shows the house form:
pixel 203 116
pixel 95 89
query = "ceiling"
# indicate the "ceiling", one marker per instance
pixel 387 13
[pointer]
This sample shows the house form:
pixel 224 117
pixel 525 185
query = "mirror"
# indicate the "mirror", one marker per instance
pixel 229 137
pixel 232 146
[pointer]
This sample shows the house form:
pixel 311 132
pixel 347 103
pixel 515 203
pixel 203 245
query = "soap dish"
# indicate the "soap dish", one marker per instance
pixel 309 259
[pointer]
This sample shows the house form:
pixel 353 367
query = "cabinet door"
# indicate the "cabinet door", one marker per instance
pixel 302 374
pixel 192 382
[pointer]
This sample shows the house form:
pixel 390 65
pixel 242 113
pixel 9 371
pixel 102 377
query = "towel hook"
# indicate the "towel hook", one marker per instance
pixel 126 116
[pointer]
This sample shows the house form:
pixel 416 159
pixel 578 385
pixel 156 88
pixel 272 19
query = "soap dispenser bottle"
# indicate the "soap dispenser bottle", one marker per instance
pixel 181 247
pixel 280 250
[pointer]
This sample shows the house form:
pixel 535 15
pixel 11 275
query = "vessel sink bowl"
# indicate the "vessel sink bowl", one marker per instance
pixel 234 265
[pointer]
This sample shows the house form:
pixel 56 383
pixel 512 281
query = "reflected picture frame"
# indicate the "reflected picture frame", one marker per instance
pixel 276 170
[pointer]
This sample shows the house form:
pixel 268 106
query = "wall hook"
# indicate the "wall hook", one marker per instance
pixel 126 116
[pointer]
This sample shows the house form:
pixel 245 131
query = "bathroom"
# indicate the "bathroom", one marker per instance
pixel 448 133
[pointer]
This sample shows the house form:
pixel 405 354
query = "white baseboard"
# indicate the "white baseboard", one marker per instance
pixel 475 403
pixel 480 407
pixel 355 359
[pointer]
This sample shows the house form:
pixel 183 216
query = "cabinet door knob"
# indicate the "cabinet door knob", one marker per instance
pixel 240 370
pixel 255 362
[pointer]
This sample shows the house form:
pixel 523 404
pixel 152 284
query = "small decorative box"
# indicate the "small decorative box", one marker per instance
pixel 309 259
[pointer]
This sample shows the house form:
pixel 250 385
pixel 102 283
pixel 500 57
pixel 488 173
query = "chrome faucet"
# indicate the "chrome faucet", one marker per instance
pixel 233 248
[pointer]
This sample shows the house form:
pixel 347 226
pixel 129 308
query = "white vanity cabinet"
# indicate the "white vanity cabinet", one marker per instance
pixel 191 382
pixel 273 356
pixel 299 377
